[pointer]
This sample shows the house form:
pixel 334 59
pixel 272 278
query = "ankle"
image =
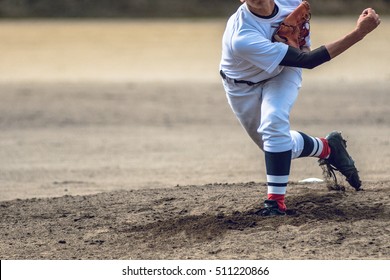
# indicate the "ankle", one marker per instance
pixel 279 198
pixel 326 149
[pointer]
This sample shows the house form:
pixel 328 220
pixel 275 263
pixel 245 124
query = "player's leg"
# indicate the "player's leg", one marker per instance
pixel 245 102
pixel 308 146
pixel 332 152
pixel 279 95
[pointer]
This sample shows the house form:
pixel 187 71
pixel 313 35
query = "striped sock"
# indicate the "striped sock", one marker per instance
pixel 313 146
pixel 278 169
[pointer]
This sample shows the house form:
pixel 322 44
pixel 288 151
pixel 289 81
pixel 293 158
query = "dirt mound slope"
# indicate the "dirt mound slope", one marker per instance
pixel 216 221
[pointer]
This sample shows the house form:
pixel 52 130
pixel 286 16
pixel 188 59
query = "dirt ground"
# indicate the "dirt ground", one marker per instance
pixel 117 143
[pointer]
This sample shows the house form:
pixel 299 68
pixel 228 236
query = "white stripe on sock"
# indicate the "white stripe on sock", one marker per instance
pixel 320 148
pixel 277 190
pixel 277 179
pixel 315 146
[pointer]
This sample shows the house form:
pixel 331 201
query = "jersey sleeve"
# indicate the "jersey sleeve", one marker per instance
pixel 259 51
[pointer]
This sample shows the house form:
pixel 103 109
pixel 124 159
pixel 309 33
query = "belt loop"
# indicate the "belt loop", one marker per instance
pixel 223 75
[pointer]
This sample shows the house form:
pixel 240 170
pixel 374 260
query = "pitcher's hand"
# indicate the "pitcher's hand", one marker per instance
pixel 367 22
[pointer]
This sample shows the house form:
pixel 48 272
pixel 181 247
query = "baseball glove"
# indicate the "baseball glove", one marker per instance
pixel 295 27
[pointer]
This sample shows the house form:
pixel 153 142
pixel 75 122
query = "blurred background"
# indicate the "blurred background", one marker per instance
pixel 100 95
pixel 161 8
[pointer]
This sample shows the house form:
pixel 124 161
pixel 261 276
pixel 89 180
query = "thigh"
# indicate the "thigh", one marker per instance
pixel 247 108
pixel 279 95
pixel 281 91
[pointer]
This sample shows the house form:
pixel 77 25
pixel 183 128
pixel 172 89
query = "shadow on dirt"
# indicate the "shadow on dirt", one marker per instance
pixel 309 208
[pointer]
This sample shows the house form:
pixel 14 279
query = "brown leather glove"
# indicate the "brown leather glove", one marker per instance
pixel 295 27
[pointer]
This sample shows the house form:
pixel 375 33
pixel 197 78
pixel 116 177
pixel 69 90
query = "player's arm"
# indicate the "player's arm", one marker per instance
pixel 305 59
pixel 367 22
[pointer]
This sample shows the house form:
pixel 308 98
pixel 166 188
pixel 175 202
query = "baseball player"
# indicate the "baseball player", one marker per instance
pixel 262 79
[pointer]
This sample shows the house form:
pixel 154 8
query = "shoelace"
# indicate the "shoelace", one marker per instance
pixel 330 176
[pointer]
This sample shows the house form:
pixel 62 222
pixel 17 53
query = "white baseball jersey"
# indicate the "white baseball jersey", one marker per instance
pixel 247 50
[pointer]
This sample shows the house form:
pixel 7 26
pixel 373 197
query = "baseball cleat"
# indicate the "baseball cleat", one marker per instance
pixel 340 160
pixel 271 209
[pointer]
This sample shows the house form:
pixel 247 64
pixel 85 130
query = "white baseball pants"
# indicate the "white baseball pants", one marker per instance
pixel 264 110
